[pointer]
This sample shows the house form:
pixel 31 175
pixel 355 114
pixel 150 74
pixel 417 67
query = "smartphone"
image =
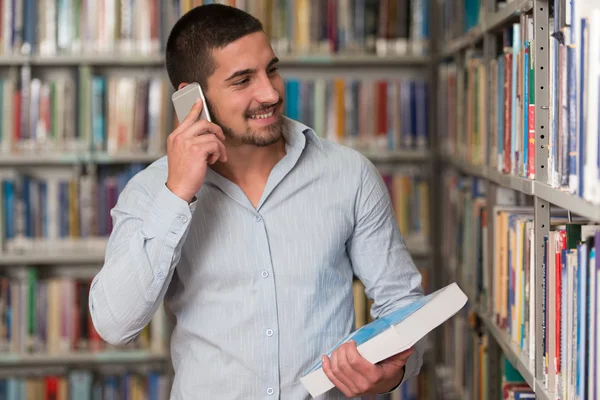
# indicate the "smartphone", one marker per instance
pixel 185 98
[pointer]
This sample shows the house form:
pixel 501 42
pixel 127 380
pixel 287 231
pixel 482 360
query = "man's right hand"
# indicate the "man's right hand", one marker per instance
pixel 190 148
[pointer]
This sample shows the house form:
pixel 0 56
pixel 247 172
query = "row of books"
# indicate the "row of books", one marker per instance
pixel 83 111
pixel 409 189
pixel 50 207
pixel 83 384
pixel 508 121
pixel 370 114
pixel 49 315
pixel 124 114
pixel 573 162
pixel 574 68
pixel 464 355
pixel 44 207
pixel 142 26
pixel 506 289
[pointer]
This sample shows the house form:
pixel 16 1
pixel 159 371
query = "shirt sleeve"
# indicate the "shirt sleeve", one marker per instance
pixel 150 226
pixel 379 256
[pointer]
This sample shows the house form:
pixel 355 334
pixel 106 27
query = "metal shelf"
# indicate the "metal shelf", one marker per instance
pixel 479 171
pixel 104 158
pixel 541 393
pixel 53 258
pixel 468 39
pixel 489 23
pixel 101 357
pixel 31 159
pixel 507 14
pixel 82 252
pixel 482 171
pixel 398 155
pixel 340 60
pixel 510 181
pixel 514 354
pixel 158 60
pixel 114 59
pixel 44 159
pixel 566 200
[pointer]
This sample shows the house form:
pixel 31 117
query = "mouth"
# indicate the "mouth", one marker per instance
pixel 264 115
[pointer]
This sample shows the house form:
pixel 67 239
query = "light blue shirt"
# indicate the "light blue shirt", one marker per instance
pixel 260 294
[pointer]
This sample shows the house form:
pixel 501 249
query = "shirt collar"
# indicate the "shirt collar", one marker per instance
pixel 296 134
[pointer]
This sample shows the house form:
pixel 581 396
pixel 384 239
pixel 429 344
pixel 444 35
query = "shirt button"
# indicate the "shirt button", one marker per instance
pixel 183 218
pixel 270 391
pixel 265 274
pixel 257 218
pixel 269 332
pixel 161 275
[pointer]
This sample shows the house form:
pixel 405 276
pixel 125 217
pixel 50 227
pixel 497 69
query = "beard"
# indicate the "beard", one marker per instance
pixel 264 137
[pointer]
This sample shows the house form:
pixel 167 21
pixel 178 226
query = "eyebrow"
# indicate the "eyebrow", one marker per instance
pixel 246 71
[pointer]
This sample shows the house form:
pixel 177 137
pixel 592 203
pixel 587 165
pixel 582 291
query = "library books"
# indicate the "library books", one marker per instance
pixel 142 26
pixel 86 384
pixel 573 156
pixel 393 333
pixel 69 211
pixel 83 111
pixel 49 315
pixel 91 112
pixel 49 210
pixel 570 281
pixel 498 101
pixel 384 114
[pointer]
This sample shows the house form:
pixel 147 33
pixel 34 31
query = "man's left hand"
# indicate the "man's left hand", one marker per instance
pixel 355 376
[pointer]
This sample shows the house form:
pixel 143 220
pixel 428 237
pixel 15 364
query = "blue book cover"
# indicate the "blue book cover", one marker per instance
pixel 393 333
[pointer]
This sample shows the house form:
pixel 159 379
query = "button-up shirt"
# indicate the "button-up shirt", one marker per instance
pixel 258 293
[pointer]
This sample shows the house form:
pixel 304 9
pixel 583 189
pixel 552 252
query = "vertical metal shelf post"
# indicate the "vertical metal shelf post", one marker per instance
pixel 542 131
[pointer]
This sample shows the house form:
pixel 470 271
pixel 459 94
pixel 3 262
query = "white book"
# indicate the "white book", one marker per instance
pixel 393 333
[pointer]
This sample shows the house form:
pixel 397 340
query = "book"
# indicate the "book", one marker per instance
pixel 393 333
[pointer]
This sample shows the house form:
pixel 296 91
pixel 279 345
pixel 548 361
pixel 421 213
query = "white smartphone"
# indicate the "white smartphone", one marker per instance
pixel 185 98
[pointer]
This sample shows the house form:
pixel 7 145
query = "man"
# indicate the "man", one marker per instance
pixel 251 230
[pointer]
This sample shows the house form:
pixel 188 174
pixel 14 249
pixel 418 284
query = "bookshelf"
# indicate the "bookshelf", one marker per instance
pixel 521 175
pixel 57 72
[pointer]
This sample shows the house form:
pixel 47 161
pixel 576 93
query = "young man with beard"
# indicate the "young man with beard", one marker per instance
pixel 252 229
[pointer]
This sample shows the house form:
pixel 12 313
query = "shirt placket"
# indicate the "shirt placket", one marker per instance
pixel 270 322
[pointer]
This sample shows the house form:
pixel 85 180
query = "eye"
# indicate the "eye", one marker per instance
pixel 242 82
pixel 273 70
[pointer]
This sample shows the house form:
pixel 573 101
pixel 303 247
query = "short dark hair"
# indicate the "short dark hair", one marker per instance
pixel 197 33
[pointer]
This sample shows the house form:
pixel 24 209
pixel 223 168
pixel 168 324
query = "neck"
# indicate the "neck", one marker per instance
pixel 246 163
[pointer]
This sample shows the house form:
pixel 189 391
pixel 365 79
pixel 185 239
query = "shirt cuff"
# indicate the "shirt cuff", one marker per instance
pixel 168 217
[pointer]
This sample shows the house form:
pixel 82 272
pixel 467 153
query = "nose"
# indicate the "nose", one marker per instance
pixel 266 93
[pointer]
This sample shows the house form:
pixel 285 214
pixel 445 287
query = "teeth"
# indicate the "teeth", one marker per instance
pixel 263 116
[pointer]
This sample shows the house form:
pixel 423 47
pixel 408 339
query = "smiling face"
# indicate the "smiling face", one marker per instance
pixel 245 93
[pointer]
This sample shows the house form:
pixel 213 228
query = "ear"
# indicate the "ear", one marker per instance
pixel 182 85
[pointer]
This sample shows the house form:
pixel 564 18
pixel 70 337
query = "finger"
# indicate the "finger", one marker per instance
pixel 191 117
pixel 200 128
pixel 342 370
pixel 362 376
pixel 209 138
pixel 364 371
pixel 333 378
pixel 210 150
